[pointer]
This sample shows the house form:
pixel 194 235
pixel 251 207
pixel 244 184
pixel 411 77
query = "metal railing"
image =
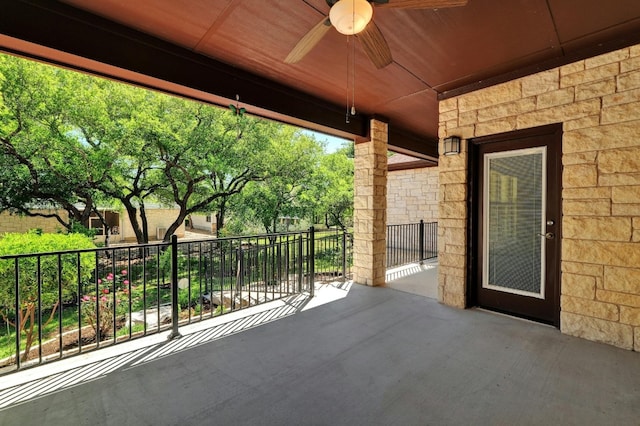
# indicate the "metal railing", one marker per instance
pixel 71 302
pixel 413 242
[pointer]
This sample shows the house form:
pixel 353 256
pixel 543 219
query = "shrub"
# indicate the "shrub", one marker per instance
pixel 52 274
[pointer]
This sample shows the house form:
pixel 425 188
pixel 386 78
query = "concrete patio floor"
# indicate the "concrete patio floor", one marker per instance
pixel 372 356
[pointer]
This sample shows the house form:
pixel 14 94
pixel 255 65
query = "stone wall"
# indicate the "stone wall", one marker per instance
pixel 412 195
pixel 19 224
pixel 598 102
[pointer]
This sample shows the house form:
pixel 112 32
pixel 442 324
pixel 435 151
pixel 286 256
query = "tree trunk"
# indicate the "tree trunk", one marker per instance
pixel 174 226
pixel 145 223
pixel 132 213
pixel 29 313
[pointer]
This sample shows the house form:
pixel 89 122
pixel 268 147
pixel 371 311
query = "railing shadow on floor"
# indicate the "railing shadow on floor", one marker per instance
pixel 408 270
pixel 26 387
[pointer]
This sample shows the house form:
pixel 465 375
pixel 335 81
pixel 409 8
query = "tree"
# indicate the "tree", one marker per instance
pixel 38 159
pixel 26 318
pixel 292 158
pixel 331 195
pixel 122 163
pixel 210 155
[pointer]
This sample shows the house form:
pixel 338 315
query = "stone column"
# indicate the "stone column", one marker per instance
pixel 370 207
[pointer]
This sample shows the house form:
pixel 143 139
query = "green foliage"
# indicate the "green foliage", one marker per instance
pixel 55 271
pixel 292 158
pixel 69 139
pixel 78 228
pixel 331 194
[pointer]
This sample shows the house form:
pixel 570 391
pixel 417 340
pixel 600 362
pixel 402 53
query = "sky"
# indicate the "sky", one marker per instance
pixel 332 143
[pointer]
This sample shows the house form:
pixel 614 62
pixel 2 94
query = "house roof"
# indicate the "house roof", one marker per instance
pixel 213 50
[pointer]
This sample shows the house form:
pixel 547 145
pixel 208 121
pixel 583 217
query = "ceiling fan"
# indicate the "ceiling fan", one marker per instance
pixel 354 17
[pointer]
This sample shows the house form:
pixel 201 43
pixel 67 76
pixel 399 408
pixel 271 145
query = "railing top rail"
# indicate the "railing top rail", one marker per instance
pixel 412 223
pixel 161 244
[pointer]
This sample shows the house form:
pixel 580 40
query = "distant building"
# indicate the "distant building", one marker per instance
pixel 202 222
pixel 159 218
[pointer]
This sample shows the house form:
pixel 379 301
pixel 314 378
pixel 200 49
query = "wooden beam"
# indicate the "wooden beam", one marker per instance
pixel 411 144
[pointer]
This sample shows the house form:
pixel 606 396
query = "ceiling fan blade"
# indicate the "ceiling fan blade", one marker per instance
pixel 375 45
pixel 420 4
pixel 308 42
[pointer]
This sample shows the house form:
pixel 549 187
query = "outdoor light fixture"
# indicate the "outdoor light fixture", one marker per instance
pixel 350 17
pixel 452 145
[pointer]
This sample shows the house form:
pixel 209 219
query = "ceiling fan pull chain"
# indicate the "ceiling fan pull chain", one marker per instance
pixel 348 81
pixel 353 65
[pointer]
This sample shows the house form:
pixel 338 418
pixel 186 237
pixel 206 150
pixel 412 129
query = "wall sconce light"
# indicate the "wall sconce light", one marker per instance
pixel 452 145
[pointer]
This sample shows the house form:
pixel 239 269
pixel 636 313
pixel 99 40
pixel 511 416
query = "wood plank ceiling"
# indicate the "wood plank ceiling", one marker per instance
pixel 436 53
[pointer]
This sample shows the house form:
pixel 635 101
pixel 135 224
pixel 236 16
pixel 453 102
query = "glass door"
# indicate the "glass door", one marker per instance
pixel 517 186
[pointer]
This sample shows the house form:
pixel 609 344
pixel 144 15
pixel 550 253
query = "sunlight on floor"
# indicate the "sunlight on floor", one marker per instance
pixel 38 381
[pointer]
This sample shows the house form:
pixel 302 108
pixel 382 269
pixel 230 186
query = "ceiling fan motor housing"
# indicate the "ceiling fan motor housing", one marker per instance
pixel 351 16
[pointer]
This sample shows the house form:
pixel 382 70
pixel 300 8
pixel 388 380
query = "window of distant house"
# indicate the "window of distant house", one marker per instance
pixel 208 218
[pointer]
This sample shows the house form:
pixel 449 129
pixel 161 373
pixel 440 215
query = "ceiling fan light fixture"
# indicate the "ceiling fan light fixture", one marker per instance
pixel 350 17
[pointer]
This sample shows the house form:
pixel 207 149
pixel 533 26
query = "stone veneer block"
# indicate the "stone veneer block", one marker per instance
pixel 586 207
pixel 620 161
pixel 546 81
pixel 572 68
pixel 629 96
pixel 625 209
pixel 497 126
pixel 582 286
pixel 467 117
pixel 625 280
pixel 602 252
pixel 636 345
pixel 579 158
pixel 449 115
pixel 586 193
pixel 448 105
pixel 621 299
pixel 618 179
pixel 570 111
pixel 630 316
pixel 583 268
pixel 596 89
pixel 556 98
pixel 501 93
pixel 630 64
pixel 620 113
pixel 456 192
pixel 576 305
pixel 628 81
pixel 579 175
pixel 581 123
pixel 589 75
pixel 626 194
pixel 613 136
pixel 508 109
pixel 607 58
pixel 452 209
pixel 456 176
pixel 597 228
pixel 612 333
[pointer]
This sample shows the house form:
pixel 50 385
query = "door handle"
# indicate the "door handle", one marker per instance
pixel 548 235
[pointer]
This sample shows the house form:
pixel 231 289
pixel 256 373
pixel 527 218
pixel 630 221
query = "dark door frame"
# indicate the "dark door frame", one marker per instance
pixel 554 132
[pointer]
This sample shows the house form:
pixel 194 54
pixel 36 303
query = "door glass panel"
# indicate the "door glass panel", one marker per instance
pixel 513 213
